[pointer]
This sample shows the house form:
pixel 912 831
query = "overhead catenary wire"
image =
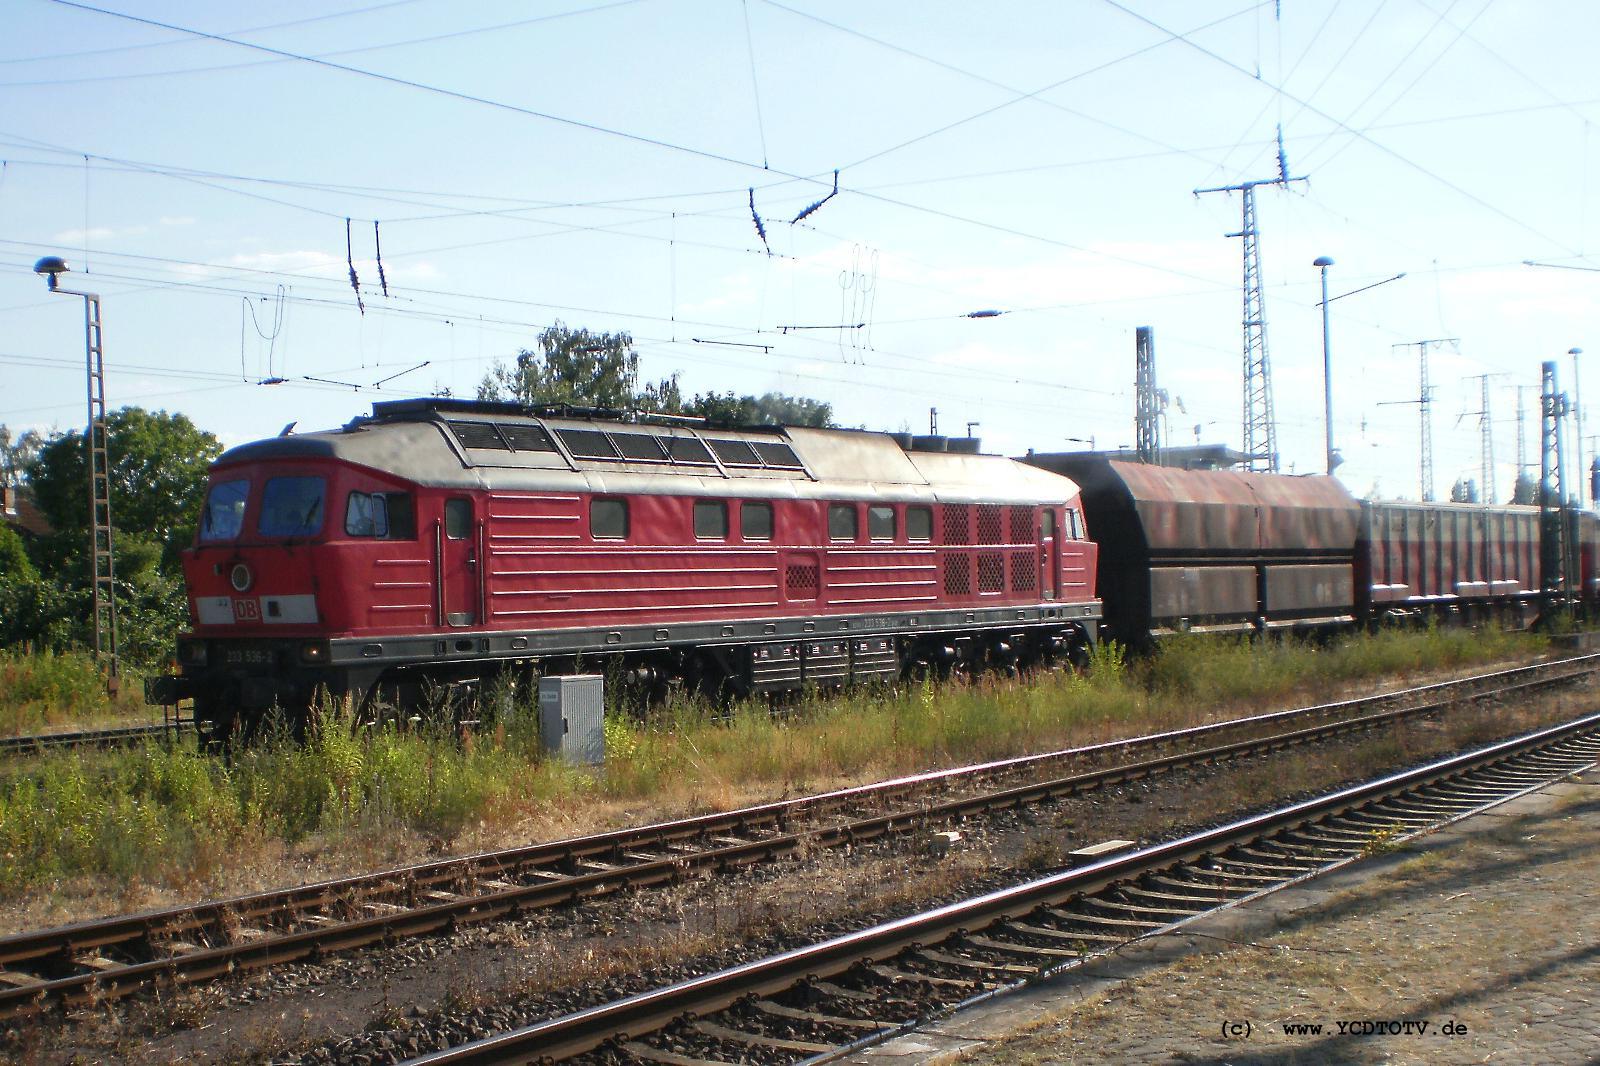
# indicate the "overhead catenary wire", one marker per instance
pixel 1363 135
pixel 148 45
pixel 216 68
pixel 755 81
pixel 593 127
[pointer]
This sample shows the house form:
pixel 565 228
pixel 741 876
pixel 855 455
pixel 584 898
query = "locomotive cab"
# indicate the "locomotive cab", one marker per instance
pixel 278 544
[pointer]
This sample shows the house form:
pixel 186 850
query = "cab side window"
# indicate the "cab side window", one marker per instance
pixel 383 515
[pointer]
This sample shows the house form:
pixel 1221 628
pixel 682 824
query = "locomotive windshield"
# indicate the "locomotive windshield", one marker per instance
pixel 291 507
pixel 224 512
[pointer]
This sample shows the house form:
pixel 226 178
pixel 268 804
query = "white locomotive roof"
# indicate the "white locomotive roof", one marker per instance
pixel 426 442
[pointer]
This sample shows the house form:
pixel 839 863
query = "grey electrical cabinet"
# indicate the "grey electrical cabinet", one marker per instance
pixel 572 717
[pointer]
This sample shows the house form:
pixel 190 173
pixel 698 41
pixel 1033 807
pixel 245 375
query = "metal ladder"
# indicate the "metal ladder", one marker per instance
pixel 102 565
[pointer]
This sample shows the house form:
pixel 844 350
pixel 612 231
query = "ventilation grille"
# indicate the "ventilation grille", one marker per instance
pixel 776 454
pixel 688 450
pixel 800 581
pixel 640 447
pixel 989 524
pixel 588 444
pixel 478 435
pixel 1024 568
pixel 991 571
pixel 527 437
pixel 735 452
pixel 956 524
pixel 957 575
pixel 1021 525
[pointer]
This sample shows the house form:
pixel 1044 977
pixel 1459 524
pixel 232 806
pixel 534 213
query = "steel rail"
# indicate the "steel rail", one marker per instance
pixel 91 738
pixel 586 1030
pixel 408 902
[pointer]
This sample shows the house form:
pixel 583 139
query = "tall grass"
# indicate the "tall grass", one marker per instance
pixel 41 689
pixel 175 816
pixel 1242 670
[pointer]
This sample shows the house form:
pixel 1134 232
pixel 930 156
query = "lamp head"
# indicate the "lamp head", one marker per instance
pixel 1574 351
pixel 1322 261
pixel 51 266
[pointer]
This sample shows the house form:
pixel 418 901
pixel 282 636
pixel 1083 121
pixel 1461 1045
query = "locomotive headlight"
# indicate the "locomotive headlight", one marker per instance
pixel 240 577
pixel 314 651
pixel 192 652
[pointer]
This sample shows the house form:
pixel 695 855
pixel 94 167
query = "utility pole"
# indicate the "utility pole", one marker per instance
pixel 1485 440
pixel 1554 551
pixel 1147 405
pixel 1577 420
pixel 1260 425
pixel 1424 402
pixel 933 421
pixel 102 549
pixel 1522 435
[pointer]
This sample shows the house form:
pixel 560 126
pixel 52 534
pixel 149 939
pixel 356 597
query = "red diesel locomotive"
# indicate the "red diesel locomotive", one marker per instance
pixel 442 542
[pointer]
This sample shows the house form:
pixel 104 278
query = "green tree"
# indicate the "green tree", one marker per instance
pixel 771 408
pixel 14 561
pixel 1526 489
pixel 583 368
pixel 16 452
pixel 158 465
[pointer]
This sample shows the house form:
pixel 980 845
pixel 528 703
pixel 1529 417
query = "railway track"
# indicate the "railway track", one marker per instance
pixel 93 738
pixel 819 1002
pixel 113 957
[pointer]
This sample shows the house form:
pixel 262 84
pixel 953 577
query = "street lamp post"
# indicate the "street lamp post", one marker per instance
pixel 1323 262
pixel 102 560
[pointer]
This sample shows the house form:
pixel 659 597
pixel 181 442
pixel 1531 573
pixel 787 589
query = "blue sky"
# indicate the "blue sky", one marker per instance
pixel 593 162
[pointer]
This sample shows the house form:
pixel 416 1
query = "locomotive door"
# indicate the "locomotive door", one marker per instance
pixel 458 564
pixel 1049 557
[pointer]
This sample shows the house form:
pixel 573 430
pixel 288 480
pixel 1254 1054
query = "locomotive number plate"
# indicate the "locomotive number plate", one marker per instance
pixel 246 610
pixel 249 656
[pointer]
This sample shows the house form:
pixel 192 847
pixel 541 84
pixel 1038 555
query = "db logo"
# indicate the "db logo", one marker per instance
pixel 246 610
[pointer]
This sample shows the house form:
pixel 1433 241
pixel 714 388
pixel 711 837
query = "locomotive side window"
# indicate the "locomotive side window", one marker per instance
pixel 457 519
pixel 919 523
pixel 1049 526
pixel 608 519
pixel 366 515
pixel 402 515
pixel 880 523
pixel 386 515
pixel 291 507
pixel 755 520
pixel 842 522
pixel 711 520
pixel 224 514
